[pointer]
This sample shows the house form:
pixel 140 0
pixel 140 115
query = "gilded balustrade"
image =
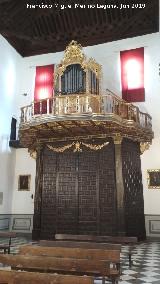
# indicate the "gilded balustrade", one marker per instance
pixel 77 104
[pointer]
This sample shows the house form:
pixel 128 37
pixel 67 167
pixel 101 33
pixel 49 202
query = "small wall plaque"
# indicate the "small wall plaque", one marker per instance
pixel 153 178
pixel 24 182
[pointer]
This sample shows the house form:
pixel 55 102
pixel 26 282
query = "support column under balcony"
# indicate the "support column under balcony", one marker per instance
pixel 119 186
pixel 38 195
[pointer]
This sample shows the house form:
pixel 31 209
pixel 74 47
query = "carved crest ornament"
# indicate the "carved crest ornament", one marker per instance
pixel 74 55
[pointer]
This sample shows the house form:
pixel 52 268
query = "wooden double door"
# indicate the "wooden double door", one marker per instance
pixel 78 193
pixel 77 202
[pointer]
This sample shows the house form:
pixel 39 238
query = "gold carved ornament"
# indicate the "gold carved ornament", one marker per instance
pixel 33 153
pixel 117 139
pixel 95 147
pixel 95 67
pixel 77 145
pixel 60 149
pixel 144 146
pixel 74 55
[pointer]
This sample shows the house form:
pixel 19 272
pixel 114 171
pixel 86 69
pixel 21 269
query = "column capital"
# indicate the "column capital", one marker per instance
pixel 33 153
pixel 144 146
pixel 117 139
pixel 35 150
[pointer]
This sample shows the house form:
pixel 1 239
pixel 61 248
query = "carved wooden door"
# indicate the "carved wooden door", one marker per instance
pixel 66 202
pixel 87 203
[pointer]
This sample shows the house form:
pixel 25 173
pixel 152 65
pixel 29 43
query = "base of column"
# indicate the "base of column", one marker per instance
pixel 36 234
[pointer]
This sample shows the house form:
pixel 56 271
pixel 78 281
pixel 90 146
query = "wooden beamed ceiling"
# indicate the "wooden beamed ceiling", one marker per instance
pixel 33 31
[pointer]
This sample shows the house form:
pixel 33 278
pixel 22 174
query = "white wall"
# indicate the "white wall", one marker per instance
pixel 108 56
pixel 151 160
pixel 13 162
pixel 27 69
pixel 22 202
pixel 8 87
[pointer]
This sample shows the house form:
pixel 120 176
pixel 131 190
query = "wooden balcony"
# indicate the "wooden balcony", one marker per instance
pixel 79 116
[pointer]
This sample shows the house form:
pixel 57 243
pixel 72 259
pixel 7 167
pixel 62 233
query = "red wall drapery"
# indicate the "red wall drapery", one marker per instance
pixel 44 86
pixel 132 75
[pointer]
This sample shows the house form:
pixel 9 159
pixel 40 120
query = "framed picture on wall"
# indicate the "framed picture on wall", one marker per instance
pixel 153 178
pixel 24 182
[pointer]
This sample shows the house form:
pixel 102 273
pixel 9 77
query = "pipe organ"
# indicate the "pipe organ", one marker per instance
pixel 73 80
pixel 78 76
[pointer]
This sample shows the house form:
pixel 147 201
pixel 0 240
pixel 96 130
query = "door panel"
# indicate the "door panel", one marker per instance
pixel 87 199
pixel 66 202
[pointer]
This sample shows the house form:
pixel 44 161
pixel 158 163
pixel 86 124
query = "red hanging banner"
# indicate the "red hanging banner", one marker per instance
pixel 44 86
pixel 132 75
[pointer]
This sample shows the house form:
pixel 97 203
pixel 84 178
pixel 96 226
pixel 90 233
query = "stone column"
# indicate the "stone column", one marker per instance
pixel 119 185
pixel 38 195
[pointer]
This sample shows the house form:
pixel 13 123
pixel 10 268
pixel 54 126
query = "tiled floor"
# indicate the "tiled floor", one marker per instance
pixel 146 264
pixel 145 268
pixel 16 243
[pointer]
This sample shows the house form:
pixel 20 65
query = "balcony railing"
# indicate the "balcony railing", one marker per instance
pixel 79 105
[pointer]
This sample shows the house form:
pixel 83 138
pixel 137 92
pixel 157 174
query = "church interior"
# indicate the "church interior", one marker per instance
pixel 79 142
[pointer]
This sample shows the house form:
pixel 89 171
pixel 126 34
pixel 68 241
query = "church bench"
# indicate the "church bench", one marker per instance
pixel 50 264
pixel 113 239
pixel 103 253
pixel 123 240
pixel 72 244
pixel 83 245
pixel 112 255
pixel 21 277
pixel 7 236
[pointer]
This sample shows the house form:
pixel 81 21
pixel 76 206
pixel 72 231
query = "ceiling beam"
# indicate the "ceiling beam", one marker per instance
pixel 134 21
pixel 5 1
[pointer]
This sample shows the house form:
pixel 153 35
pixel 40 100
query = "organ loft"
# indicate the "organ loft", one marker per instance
pixel 87 144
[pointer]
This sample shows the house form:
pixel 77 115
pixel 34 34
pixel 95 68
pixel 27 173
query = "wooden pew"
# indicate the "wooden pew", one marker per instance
pixel 112 256
pixel 8 240
pixel 114 239
pixel 102 254
pixel 123 240
pixel 19 277
pixel 78 244
pixel 85 245
pixel 61 265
